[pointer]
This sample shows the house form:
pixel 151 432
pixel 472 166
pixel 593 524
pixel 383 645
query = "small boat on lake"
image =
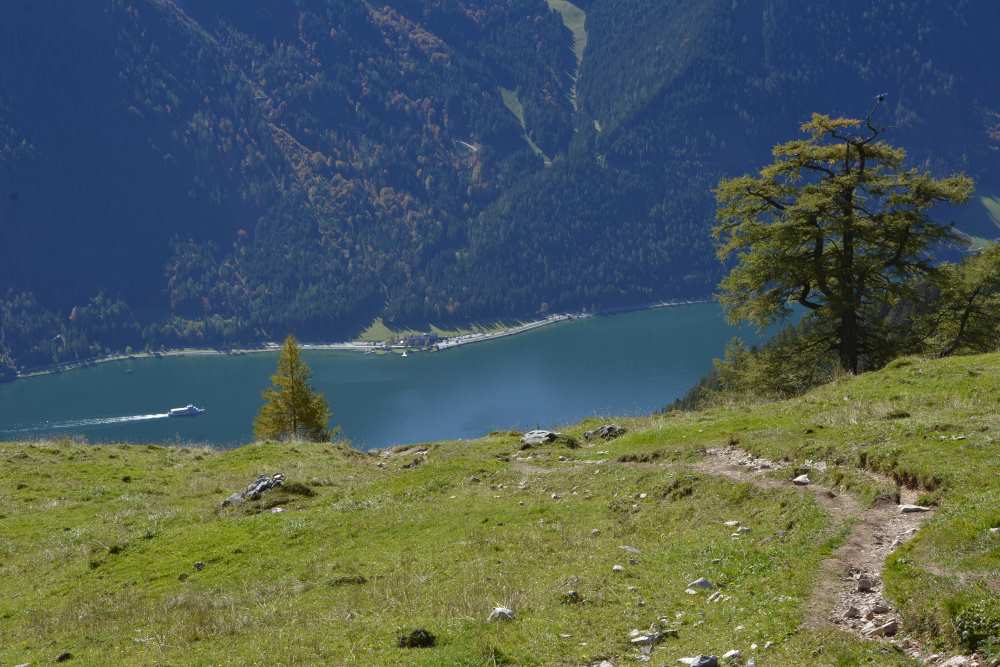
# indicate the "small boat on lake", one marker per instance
pixel 187 411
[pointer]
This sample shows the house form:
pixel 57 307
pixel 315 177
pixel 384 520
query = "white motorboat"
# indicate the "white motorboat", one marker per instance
pixel 187 411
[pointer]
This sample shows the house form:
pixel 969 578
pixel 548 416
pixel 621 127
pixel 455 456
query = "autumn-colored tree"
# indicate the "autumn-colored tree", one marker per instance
pixel 835 224
pixel 292 410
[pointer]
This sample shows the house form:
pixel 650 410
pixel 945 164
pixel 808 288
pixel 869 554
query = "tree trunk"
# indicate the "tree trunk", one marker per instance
pixel 849 340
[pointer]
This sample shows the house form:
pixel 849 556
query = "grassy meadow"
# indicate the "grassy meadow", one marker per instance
pixel 121 554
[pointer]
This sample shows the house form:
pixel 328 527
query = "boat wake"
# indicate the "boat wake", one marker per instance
pixel 84 423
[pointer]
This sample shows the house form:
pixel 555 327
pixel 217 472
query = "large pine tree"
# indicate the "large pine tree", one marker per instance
pixel 292 410
pixel 836 224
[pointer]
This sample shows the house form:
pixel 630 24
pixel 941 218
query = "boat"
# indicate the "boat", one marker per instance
pixel 187 411
pixel 404 354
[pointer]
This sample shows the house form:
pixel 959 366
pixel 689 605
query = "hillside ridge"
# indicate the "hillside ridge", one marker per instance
pixel 585 540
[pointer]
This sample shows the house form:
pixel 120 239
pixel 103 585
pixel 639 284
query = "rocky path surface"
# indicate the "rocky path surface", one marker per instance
pixel 849 590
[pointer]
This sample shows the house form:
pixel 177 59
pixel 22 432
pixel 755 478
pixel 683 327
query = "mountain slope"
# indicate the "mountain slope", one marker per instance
pixel 207 173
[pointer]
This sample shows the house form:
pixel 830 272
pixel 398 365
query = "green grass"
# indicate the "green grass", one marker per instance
pixel 98 544
pixel 575 20
pixel 513 104
pixel 378 331
pixel 992 206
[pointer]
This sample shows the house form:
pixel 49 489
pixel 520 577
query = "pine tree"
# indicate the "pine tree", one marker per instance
pixel 837 225
pixel 292 410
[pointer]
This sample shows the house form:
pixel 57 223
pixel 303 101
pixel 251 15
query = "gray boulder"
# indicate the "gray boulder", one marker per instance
pixel 255 489
pixel 606 432
pixel 700 661
pixel 538 437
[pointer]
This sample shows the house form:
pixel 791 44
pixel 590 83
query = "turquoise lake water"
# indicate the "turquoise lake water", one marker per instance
pixel 625 364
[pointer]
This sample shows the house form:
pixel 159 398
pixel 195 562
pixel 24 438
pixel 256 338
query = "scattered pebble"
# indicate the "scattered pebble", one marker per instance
pixel 732 655
pixel 500 614
pixel 701 582
pixel 865 584
pixel 700 661
pixel 885 630
pixel 802 480
pixel 910 509
pixel 617 568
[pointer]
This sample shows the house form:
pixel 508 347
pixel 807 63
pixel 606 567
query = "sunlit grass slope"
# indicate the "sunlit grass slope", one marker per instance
pixel 122 554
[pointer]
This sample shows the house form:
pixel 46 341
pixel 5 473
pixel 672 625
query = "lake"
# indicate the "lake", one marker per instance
pixel 625 364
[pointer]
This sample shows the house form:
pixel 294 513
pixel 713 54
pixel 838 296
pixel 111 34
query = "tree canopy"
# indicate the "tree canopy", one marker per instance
pixel 837 225
pixel 292 410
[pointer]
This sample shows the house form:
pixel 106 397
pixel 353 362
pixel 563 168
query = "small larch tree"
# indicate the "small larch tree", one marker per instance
pixel 292 410
pixel 835 224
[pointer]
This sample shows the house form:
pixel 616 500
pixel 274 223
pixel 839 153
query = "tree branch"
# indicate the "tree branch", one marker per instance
pixel 770 200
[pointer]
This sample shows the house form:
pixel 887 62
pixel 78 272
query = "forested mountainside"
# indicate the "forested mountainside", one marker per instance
pixel 185 172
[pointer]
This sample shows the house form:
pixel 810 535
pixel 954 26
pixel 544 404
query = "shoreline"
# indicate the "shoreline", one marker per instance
pixel 364 347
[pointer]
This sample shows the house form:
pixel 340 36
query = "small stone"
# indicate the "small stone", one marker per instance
pixel 881 607
pixel 630 549
pixel 743 529
pixel 885 630
pixel 731 524
pixel 556 496
pixel 995 531
pixel 64 656
pixel 605 663
pixel 701 582
pixel 768 645
pixel 594 532
pixel 802 480
pixel 500 614
pixel 700 661
pixel 865 584
pixel 731 655
pixel 199 566
pixel 690 591
pixel 277 510
pixel 642 496
pixel 852 612
pixel 957 661
pixel 571 597
pixel 632 589
pixel 912 509
pixel 419 638
pixel 617 568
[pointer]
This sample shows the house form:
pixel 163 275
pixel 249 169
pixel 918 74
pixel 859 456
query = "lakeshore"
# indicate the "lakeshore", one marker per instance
pixel 362 346
pixel 632 363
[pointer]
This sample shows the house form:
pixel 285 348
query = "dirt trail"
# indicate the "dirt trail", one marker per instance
pixel 848 591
